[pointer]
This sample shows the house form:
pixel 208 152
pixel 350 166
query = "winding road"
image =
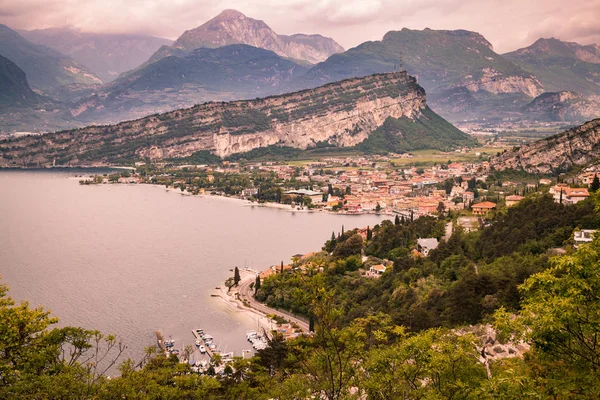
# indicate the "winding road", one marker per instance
pixel 246 293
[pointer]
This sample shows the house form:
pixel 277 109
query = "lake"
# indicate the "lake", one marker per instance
pixel 133 259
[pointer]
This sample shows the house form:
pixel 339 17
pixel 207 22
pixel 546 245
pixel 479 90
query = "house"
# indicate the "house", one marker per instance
pixel 483 208
pixel 575 195
pixel 468 197
pixel 426 245
pixel 564 194
pixel 377 269
pixel 583 236
pixel 512 200
pixel 545 181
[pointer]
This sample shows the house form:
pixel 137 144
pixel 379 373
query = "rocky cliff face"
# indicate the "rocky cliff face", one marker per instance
pixel 576 147
pixel 563 106
pixel 561 66
pixel 233 27
pixel 342 113
pixel 450 65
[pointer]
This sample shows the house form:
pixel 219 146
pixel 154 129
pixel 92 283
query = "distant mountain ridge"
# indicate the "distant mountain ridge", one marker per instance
pixel 233 27
pixel 461 73
pixel 562 66
pixel 232 72
pixel 46 69
pixel 14 88
pixel 341 114
pixel 563 106
pixel 558 153
pixel 107 55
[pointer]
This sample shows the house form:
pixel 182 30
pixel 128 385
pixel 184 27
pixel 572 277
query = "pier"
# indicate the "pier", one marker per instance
pixel 197 336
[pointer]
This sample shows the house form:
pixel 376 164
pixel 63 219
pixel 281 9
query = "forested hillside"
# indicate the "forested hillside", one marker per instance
pixel 403 335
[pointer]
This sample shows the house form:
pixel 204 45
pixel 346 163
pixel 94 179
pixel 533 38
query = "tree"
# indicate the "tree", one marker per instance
pixel 229 283
pixel 441 208
pixel 351 246
pixel 348 190
pixel 281 271
pixel 236 276
pixel 378 207
pixel 257 284
pixel 560 317
pixel 370 233
pixel 397 220
pixel 595 185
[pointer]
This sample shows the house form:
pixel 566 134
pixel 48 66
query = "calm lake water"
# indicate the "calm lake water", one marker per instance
pixel 129 260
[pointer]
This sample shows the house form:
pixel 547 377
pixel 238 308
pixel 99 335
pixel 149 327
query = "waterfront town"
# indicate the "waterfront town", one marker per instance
pixel 357 185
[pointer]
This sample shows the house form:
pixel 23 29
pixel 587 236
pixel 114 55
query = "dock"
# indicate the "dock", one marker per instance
pixel 198 337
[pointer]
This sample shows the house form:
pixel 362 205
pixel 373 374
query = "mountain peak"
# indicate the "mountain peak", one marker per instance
pixel 233 27
pixel 230 14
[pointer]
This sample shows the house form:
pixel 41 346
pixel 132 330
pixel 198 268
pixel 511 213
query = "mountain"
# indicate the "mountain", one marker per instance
pixel 563 106
pixel 339 114
pixel 562 65
pixel 559 153
pixel 14 88
pixel 22 109
pixel 46 69
pixel 225 73
pixel 461 73
pixel 233 27
pixel 106 55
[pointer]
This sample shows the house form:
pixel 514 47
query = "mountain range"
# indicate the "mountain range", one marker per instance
pixel 106 55
pixel 340 114
pixel 205 74
pixel 46 69
pixel 561 65
pixel 576 147
pixel 233 57
pixel 233 27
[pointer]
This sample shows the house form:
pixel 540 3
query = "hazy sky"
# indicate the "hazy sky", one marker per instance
pixel 508 24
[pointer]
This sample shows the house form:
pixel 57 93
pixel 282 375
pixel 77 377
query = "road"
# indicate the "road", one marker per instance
pixel 246 293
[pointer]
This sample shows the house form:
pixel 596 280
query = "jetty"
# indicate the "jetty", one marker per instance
pixel 200 337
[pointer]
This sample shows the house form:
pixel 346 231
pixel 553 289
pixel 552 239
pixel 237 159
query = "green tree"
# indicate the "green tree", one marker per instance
pixel 560 317
pixel 257 284
pixel 397 220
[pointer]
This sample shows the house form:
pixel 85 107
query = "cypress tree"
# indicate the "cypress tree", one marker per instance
pixel 257 284
pixel 595 184
pixel 236 276
pixel 282 267
pixel 412 216
pixel 397 220
pixel 560 200
pixel 369 233
pixel 311 324
pixel 342 230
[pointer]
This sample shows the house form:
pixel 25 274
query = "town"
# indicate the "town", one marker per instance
pixel 365 184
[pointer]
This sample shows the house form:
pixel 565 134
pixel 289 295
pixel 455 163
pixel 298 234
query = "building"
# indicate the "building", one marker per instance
pixel 575 195
pixel 567 195
pixel 426 245
pixel 483 208
pixel 512 200
pixel 378 269
pixel 583 236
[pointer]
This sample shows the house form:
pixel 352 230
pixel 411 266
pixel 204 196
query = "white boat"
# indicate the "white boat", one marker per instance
pixel 198 342
pixel 202 349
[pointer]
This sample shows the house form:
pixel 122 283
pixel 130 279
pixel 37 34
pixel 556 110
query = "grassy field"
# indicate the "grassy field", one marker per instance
pixel 420 157
pixel 431 157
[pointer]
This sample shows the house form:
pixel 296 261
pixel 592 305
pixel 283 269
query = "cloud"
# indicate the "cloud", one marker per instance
pixel 508 24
